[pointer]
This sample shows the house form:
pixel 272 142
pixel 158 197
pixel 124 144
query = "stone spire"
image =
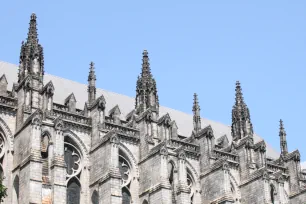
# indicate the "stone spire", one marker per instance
pixel 283 140
pixel 32 34
pixel 146 91
pixel 91 84
pixel 196 114
pixel 31 61
pixel 241 120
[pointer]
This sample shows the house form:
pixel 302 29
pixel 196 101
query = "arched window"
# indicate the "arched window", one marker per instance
pixel 125 169
pixel 171 173
pixel 191 185
pixel 45 141
pixel 2 153
pixel 73 161
pixel 145 202
pixel 272 192
pixel 16 189
pixel 95 197
pixel 126 196
pixel 73 191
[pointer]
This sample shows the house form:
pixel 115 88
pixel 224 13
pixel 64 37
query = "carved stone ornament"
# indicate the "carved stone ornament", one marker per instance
pixel 182 155
pixel 149 116
pixel 28 84
pixel 50 91
pixel 225 166
pixel 101 103
pixel 265 176
pixel 263 147
pixel 114 138
pixel 37 118
pixel 163 150
pixel 59 124
pixel 281 180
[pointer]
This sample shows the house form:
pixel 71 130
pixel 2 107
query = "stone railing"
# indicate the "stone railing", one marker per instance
pixel 275 167
pixel 8 101
pixel 229 156
pixel 71 117
pixel 65 108
pixel 121 129
pixel 187 146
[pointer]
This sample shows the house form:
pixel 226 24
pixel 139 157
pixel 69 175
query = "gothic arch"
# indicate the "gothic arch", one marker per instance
pixel 235 185
pixel 80 144
pixel 7 134
pixel 95 197
pixel 16 189
pixel 130 157
pixel 193 171
pixel 47 132
pixel 171 161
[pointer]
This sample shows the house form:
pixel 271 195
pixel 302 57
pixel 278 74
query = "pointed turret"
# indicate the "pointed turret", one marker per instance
pixel 3 85
pixel 283 140
pixel 91 84
pixel 196 114
pixel 146 91
pixel 241 120
pixel 32 34
pixel 31 54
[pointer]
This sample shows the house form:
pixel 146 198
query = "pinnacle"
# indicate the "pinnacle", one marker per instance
pixel 92 66
pixel 145 53
pixel 195 102
pixel 32 34
pixel 33 16
pixel 146 70
pixel 239 95
pixel 91 75
pixel 281 127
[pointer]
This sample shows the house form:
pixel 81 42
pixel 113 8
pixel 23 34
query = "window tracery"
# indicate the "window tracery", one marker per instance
pixel 2 153
pixel 73 161
pixel 125 169
pixel 191 185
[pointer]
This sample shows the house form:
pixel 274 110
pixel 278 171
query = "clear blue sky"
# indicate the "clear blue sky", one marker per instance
pixel 194 46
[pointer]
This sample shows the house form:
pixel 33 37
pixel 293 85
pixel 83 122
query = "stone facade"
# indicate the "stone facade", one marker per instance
pixel 58 153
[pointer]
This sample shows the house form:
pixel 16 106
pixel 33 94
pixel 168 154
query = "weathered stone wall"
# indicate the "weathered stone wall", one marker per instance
pixel 253 192
pixel 212 186
pixel 299 198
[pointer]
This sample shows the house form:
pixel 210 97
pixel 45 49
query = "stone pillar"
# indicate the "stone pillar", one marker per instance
pixel 110 187
pixel 281 196
pixel 35 171
pixel 266 188
pixel 58 167
pixel 183 191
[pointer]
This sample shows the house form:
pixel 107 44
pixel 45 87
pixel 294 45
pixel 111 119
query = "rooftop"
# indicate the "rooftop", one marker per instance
pixel 64 87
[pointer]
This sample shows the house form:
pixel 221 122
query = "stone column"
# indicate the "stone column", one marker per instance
pixel 58 167
pixel 110 188
pixel 35 170
pixel 183 191
pixel 266 188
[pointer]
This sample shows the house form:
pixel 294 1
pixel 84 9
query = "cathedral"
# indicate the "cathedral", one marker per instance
pixel 63 142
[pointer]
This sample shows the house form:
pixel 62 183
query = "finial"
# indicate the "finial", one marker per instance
pixel 92 66
pixel 145 53
pixel 32 34
pixel 281 127
pixel 33 16
pixel 146 70
pixel 91 75
pixel 196 114
pixel 195 102
pixel 239 96
pixel 283 140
